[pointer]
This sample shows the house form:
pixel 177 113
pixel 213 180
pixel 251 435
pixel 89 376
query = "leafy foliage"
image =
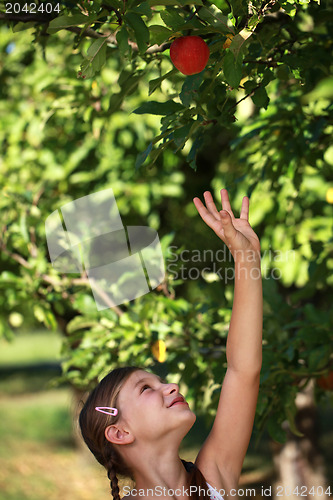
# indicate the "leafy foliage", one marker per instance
pixel 257 120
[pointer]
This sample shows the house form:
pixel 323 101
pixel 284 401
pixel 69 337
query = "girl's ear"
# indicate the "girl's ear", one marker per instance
pixel 117 435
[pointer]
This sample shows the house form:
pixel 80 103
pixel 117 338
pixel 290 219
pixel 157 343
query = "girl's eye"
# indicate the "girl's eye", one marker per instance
pixel 143 388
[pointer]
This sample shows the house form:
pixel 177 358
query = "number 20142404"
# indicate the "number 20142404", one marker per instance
pixel 31 8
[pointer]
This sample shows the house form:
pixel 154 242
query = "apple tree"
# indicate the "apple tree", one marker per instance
pixel 252 46
pixel 90 99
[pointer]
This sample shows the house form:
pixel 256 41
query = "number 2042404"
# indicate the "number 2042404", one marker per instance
pixel 31 8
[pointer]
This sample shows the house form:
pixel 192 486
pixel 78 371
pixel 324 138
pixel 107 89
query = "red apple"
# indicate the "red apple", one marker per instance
pixel 189 54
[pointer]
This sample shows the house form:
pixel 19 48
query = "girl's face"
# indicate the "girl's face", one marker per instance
pixel 145 401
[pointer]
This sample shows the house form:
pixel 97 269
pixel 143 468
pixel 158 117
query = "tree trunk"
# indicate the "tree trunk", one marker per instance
pixel 299 463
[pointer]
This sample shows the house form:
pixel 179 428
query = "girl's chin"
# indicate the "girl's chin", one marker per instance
pixel 190 417
pixel 192 421
pixel 184 414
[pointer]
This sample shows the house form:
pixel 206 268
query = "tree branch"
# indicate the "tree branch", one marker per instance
pixel 15 256
pixel 272 63
pixel 86 282
pixel 76 281
pixel 28 18
pixel 113 40
pixel 89 32
pixel 245 97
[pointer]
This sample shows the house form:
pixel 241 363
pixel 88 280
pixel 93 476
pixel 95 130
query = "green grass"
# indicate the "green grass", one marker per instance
pixel 38 457
pixel 38 418
pixel 30 348
pixel 26 351
pixel 28 383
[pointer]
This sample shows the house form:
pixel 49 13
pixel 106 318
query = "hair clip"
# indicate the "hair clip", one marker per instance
pixel 101 409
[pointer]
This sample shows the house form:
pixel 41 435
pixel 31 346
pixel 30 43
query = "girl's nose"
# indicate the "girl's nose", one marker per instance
pixel 170 388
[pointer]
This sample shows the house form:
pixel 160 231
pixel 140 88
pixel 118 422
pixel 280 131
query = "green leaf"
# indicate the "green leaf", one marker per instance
pixel 140 30
pixel 232 69
pixel 7 277
pixel 268 76
pixel 181 135
pixel 126 320
pixel 159 108
pixel 318 358
pixel 216 19
pixel 39 313
pixel 62 22
pixel 159 34
pixel 239 44
pixel 23 26
pixel 50 321
pixel 95 47
pixel 97 53
pixel 143 9
pixel 289 8
pixel 23 227
pixel 253 21
pixel 239 7
pixel 328 155
pixel 196 146
pixel 122 39
pixel 116 4
pixel 260 98
pixel 190 88
pixel 291 421
pixel 87 70
pixel 282 72
pixel 275 430
pixel 141 157
pixel 180 3
pixel 6 332
pixel 85 304
pixel 249 85
pixel 155 154
pixel 79 323
pixel 166 240
pixel 172 19
pixel 128 86
pixel 156 83
pixel 124 77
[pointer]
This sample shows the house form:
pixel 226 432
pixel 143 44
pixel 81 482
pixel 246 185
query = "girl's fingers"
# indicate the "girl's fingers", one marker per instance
pixel 228 228
pixel 211 205
pixel 245 208
pixel 207 216
pixel 225 202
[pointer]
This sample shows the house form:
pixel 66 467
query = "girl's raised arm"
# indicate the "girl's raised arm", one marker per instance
pixel 226 445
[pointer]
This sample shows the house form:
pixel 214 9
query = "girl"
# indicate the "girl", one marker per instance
pixel 134 422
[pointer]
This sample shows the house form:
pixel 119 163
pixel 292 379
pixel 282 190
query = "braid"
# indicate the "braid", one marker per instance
pixel 113 482
pixel 197 479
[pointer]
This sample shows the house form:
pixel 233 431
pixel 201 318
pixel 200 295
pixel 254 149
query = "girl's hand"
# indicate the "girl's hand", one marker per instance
pixel 237 234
